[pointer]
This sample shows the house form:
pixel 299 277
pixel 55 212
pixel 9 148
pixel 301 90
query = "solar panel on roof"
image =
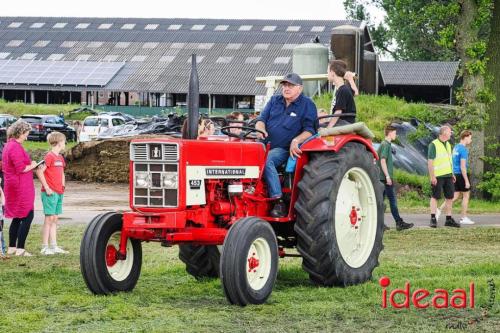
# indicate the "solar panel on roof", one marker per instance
pixel 58 72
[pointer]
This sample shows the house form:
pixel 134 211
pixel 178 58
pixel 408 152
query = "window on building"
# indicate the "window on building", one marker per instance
pixel 149 45
pixel 174 27
pixel 205 46
pixel 317 28
pixel 224 60
pixel 151 27
pixel 37 25
pixel 59 25
pixel 110 57
pixel 252 60
pixel 138 58
pixel 82 57
pixel 94 45
pixel 55 56
pixel 177 45
pixel 15 24
pixel 128 26
pixel 167 58
pixel 105 26
pixel 261 46
pixel 122 45
pixel 4 55
pixel 199 58
pixel 221 27
pixel 41 43
pixel 245 28
pixel 15 42
pixel 293 28
pixel 269 28
pixel 198 27
pixel 82 25
pixel 282 60
pixel 68 44
pixel 288 46
pixel 28 56
pixel 233 46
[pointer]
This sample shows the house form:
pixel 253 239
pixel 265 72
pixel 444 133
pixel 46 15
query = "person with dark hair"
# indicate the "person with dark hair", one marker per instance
pixel 385 165
pixel 460 168
pixel 286 121
pixel 235 119
pixel 205 127
pixel 343 101
pixel 439 163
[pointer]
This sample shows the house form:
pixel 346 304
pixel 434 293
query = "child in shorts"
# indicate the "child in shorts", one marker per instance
pixel 53 185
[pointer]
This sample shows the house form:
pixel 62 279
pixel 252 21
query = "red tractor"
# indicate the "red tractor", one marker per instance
pixel 208 196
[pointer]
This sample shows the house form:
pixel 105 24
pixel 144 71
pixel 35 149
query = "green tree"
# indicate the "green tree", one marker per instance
pixel 445 30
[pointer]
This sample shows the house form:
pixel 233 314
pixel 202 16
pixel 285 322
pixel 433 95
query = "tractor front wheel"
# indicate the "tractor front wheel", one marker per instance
pixel 340 216
pixel 249 262
pixel 103 270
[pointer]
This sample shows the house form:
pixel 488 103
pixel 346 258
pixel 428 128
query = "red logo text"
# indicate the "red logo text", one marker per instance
pixel 423 298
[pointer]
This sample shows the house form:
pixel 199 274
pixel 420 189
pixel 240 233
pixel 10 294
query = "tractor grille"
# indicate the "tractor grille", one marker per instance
pixel 154 163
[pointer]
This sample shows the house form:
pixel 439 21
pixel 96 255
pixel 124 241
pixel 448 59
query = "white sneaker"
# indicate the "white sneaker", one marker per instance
pixel 47 251
pixel 23 253
pixel 58 250
pixel 466 220
pixel 438 214
pixel 11 250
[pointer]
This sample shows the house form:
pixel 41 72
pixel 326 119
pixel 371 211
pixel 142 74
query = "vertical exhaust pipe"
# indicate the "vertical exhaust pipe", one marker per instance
pixel 193 101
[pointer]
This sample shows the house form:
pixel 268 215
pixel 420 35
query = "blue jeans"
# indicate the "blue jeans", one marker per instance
pixel 3 248
pixel 275 158
pixel 391 195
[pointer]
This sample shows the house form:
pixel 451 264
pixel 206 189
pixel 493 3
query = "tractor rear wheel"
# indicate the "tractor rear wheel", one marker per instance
pixel 249 262
pixel 102 270
pixel 201 260
pixel 340 216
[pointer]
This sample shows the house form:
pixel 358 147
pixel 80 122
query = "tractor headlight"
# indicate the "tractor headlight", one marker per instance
pixel 169 180
pixel 142 180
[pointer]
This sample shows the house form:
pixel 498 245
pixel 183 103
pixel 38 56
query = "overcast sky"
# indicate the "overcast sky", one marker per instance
pixel 228 9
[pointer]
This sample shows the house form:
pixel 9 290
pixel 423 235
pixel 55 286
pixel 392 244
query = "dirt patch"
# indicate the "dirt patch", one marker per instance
pixel 101 161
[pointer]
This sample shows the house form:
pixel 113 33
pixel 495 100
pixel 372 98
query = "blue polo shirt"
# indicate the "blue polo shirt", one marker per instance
pixel 285 123
pixel 460 152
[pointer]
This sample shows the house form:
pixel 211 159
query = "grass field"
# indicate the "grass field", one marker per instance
pixel 47 294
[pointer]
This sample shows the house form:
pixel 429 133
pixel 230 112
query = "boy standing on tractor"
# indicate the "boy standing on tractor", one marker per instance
pixel 386 176
pixel 53 185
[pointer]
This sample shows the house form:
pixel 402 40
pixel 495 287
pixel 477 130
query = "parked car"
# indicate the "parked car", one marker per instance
pixel 42 125
pixel 5 121
pixel 94 125
pixel 128 118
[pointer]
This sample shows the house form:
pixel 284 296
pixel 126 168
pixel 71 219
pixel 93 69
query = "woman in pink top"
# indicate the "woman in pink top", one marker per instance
pixel 19 187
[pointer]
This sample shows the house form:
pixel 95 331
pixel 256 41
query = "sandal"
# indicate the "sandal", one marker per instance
pixel 4 257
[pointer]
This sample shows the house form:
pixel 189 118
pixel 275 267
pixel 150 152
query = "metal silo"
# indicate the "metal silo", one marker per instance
pixel 310 58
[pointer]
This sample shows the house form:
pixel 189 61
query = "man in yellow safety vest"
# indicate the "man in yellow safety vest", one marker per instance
pixel 439 162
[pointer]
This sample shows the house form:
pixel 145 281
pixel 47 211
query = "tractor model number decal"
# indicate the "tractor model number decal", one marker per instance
pixel 225 172
pixel 195 184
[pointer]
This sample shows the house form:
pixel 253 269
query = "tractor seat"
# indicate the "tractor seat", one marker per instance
pixel 358 128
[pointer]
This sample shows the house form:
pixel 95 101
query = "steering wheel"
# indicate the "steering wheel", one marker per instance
pixel 245 131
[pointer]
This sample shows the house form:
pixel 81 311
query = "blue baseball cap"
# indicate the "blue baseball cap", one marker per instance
pixel 292 78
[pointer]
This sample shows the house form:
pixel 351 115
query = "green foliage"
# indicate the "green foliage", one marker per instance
pixel 18 109
pixel 379 111
pixel 491 179
pixel 420 184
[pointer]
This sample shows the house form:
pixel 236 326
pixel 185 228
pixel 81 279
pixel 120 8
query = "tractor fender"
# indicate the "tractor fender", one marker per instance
pixel 337 142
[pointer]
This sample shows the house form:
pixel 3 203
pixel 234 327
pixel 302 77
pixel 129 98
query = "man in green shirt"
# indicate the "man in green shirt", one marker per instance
pixel 386 176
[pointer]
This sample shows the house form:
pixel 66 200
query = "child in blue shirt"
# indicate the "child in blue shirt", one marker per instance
pixel 460 170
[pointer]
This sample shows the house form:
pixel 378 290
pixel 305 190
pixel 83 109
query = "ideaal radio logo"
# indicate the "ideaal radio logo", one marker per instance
pixel 421 298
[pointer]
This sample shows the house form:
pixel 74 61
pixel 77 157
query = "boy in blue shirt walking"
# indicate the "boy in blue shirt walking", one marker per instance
pixel 460 168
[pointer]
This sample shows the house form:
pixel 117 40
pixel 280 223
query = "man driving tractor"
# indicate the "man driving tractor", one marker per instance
pixel 286 121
